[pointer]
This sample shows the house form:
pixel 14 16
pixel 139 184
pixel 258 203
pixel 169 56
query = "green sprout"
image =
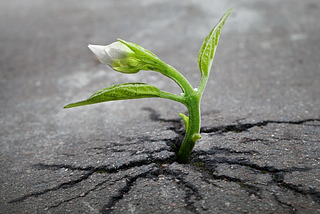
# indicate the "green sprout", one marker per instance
pixel 127 57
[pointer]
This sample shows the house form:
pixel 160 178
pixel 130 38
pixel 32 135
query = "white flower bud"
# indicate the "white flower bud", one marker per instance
pixel 118 56
pixel 108 54
pixel 127 57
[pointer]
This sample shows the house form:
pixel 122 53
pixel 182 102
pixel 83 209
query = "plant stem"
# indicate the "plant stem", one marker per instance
pixel 176 76
pixel 192 103
pixel 191 99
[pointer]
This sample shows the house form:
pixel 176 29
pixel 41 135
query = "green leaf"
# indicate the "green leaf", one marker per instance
pixel 120 92
pixel 185 119
pixel 209 46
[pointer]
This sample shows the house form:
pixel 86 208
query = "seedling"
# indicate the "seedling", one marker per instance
pixel 127 57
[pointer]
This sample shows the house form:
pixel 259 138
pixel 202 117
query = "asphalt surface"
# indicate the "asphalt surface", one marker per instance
pixel 260 146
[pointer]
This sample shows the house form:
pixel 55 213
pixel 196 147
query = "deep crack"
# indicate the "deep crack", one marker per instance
pixel 245 126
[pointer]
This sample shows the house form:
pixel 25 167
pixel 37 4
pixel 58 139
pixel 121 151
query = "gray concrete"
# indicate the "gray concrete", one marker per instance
pixel 260 151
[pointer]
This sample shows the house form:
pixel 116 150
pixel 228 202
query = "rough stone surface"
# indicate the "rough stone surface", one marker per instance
pixel 260 146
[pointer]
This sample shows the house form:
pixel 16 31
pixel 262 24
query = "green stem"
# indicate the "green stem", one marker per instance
pixel 191 99
pixel 170 96
pixel 192 103
pixel 176 76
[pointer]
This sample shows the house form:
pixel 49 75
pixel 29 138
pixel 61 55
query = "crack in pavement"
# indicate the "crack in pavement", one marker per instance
pixel 207 169
pixel 279 180
pixel 210 171
pixel 84 194
pixel 293 210
pixel 149 153
pixel 218 150
pixel 277 174
pixel 245 126
pixel 130 180
pixel 190 190
pixel 246 163
pixel 186 186
pixel 91 170
pixel 64 185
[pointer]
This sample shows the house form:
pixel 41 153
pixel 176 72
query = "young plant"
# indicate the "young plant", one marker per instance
pixel 127 57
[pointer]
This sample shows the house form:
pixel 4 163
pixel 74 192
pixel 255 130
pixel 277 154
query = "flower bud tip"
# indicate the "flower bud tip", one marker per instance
pixel 99 51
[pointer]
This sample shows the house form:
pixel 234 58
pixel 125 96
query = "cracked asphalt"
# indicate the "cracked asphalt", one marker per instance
pixel 260 146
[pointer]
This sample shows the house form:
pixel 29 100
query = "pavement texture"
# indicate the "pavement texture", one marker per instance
pixel 260 146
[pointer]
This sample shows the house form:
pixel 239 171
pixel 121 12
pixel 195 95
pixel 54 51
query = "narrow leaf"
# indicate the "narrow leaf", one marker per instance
pixel 185 119
pixel 120 92
pixel 209 46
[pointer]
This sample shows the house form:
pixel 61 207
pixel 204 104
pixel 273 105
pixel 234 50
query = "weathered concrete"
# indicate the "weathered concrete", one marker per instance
pixel 260 151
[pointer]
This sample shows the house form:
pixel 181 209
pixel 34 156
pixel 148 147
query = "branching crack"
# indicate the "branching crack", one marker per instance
pixel 130 180
pixel 293 210
pixel 82 194
pixel 279 179
pixel 64 185
pixel 190 190
pixel 206 167
pixel 90 170
pixel 251 189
